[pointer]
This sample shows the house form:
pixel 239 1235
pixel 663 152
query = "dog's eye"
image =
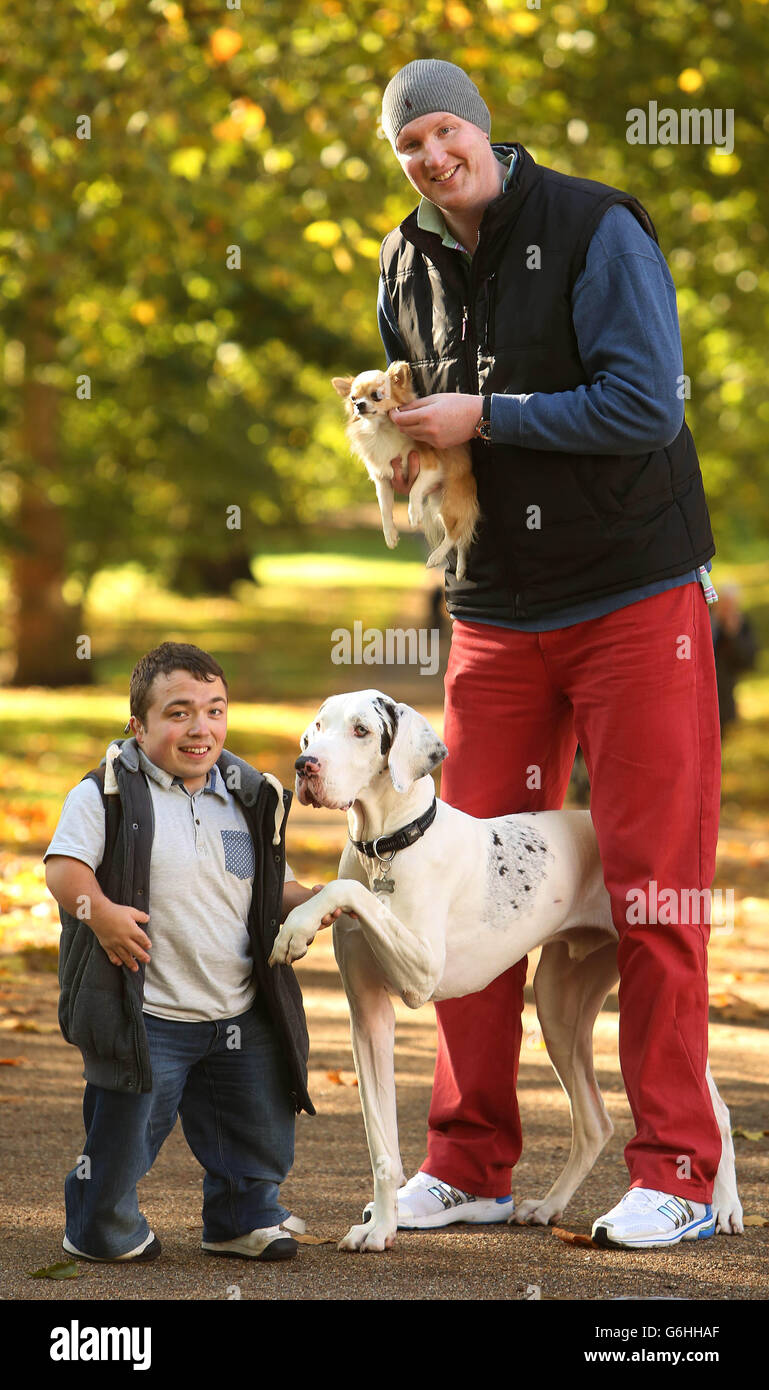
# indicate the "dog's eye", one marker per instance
pixel 376 395
pixel 305 740
pixel 360 731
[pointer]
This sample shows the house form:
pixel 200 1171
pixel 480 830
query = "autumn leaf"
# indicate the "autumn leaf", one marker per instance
pixel 574 1238
pixel 224 44
pixel 63 1269
pixel 338 1080
pixel 752 1134
pixel 11 1061
pixel 755 1221
pixel 312 1240
pixel 734 1008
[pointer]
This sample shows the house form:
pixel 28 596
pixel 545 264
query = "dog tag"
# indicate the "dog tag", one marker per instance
pixel 384 884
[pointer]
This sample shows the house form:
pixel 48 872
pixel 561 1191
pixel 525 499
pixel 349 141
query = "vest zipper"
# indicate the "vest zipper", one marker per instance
pixel 490 306
pixel 471 363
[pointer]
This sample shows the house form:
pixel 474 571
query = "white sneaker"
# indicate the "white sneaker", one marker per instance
pixel 270 1243
pixel 645 1216
pixel 141 1254
pixel 425 1203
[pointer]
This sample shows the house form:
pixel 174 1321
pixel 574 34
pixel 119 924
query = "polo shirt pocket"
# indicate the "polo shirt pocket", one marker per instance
pixel 238 853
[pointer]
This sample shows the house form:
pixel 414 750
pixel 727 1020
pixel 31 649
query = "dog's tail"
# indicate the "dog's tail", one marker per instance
pixel 453 512
pixel 431 521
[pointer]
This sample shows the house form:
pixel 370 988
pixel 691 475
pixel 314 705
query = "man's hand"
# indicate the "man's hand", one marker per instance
pixel 330 917
pixel 115 926
pixel 404 482
pixel 295 893
pixel 117 930
pixel 442 421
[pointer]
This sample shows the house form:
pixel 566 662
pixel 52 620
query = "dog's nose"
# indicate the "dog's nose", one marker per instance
pixel 305 763
pixel 361 407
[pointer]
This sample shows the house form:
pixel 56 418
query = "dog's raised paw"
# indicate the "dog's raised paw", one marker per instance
pixel 287 947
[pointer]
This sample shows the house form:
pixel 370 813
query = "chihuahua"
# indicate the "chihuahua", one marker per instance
pixel 443 499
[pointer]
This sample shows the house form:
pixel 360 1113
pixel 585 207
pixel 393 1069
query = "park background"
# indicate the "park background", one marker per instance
pixel 207 259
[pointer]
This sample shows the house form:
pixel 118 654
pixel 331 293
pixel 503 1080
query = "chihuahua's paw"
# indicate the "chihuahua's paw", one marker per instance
pixel 391 537
pixel 438 556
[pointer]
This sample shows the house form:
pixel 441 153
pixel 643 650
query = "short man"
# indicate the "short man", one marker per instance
pixel 539 318
pixel 169 867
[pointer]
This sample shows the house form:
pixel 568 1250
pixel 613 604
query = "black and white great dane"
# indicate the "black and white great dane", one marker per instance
pixel 443 916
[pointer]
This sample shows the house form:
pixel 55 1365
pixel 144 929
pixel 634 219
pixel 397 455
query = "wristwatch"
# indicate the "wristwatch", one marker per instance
pixel 483 428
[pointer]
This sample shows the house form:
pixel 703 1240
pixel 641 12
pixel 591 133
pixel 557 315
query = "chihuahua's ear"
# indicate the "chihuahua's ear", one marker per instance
pixel 400 374
pixel 342 384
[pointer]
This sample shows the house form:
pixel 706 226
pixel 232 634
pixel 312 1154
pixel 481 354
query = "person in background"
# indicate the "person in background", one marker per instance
pixel 735 649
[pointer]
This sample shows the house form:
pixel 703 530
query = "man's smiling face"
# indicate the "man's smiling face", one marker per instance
pixel 449 161
pixel 185 726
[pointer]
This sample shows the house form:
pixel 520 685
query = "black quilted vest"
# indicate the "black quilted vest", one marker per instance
pixel 607 523
pixel 100 1005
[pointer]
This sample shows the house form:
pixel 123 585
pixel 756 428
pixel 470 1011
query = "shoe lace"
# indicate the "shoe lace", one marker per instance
pixel 639 1198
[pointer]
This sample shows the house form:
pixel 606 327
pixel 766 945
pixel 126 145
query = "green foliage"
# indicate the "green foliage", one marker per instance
pixel 257 129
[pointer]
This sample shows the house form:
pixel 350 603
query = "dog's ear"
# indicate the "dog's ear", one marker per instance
pixel 400 376
pixel 416 749
pixel 342 384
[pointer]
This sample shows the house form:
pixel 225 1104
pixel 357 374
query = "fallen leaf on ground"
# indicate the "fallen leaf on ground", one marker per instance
pixel 574 1238
pixel 753 1134
pixel 63 1269
pixel 312 1240
pixel 755 1221
pixel 734 1008
pixel 339 1080
pixel 11 1061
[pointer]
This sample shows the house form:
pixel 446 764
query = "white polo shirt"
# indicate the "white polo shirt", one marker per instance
pixel 201 881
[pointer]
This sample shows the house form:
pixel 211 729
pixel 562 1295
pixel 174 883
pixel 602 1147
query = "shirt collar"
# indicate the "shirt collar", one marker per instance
pixel 214 784
pixel 431 219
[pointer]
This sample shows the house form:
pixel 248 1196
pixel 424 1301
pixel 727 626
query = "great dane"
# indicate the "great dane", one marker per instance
pixel 461 902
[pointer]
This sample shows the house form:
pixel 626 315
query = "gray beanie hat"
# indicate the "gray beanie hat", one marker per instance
pixel 427 85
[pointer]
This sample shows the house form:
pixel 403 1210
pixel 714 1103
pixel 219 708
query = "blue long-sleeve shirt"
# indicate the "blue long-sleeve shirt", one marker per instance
pixel 626 324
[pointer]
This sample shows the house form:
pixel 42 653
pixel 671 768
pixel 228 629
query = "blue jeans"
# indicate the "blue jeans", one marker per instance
pixel 228 1082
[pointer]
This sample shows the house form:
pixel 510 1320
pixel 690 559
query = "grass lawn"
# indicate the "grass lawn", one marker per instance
pixel 273 639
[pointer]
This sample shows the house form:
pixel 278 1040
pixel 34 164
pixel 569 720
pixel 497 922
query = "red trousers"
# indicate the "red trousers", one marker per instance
pixel 637 689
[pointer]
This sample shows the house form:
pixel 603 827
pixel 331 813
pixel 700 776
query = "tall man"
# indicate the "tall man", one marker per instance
pixel 539 317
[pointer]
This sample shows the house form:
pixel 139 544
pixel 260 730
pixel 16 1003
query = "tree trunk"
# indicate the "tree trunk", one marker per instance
pixel 46 628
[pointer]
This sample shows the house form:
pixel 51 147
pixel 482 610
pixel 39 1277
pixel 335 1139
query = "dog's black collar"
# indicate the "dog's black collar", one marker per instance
pixel 388 844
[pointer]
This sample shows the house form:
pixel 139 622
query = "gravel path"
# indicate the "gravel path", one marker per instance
pixel 41 1127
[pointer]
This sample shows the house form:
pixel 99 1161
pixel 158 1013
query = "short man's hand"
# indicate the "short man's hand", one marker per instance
pixel 117 930
pixel 330 917
pixel 442 421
